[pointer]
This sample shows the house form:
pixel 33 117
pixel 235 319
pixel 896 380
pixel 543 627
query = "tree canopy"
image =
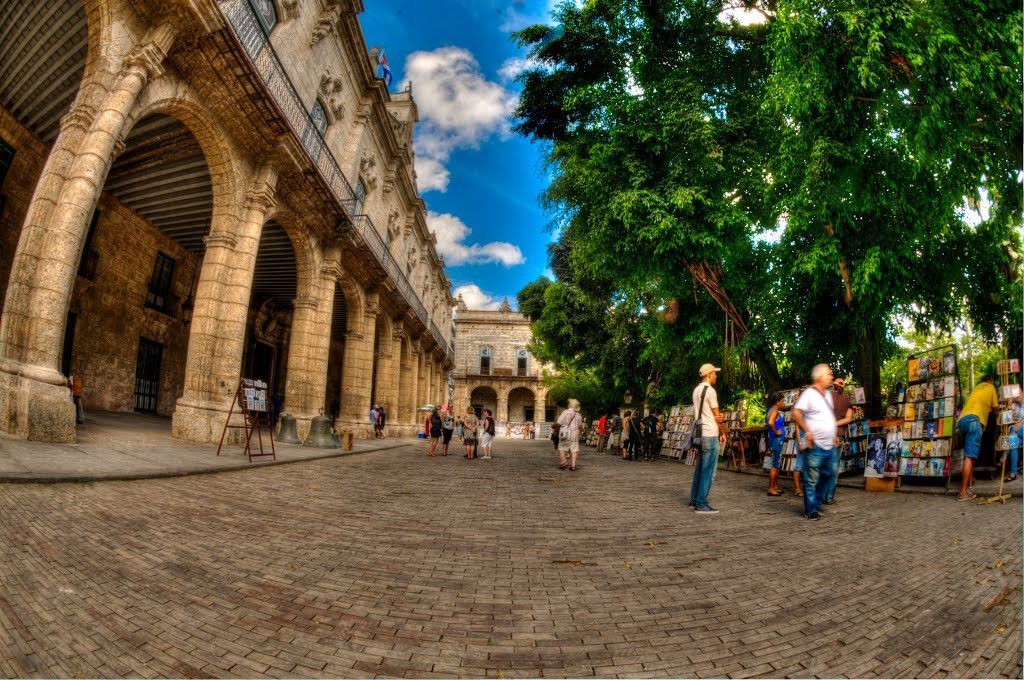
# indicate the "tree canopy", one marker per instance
pixel 782 192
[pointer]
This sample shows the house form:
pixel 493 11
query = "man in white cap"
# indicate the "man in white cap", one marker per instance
pixel 705 403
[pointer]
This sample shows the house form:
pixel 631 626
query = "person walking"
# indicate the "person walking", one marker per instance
pixel 650 437
pixel 815 414
pixel 382 420
pixel 570 426
pixel 447 427
pixel 602 432
pixel 470 423
pixel 705 400
pixel 487 441
pixel 971 427
pixel 435 430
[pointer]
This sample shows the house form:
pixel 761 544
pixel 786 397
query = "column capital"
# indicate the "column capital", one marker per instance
pixel 303 302
pixel 331 272
pixel 261 197
pixel 213 240
pixel 146 58
pixel 399 334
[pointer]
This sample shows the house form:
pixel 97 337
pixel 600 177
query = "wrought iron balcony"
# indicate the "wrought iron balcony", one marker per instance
pixel 247 30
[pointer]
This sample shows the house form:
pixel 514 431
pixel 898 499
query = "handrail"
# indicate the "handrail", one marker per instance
pixel 254 42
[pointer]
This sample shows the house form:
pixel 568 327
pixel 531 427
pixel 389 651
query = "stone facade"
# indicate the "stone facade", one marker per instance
pixel 191 202
pixel 494 370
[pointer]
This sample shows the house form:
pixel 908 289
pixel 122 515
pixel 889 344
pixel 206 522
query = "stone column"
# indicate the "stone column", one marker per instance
pixel 389 356
pixel 501 414
pixel 309 348
pixel 538 409
pixel 427 376
pixel 33 399
pixel 357 373
pixel 408 382
pixel 217 336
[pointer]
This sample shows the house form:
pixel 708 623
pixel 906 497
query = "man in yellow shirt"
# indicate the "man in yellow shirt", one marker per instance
pixel 971 426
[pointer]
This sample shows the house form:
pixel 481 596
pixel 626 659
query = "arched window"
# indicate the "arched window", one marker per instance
pixel 485 361
pixel 267 14
pixel 318 117
pixel 360 197
pixel 522 362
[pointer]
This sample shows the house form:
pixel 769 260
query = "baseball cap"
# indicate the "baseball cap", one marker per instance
pixel 708 368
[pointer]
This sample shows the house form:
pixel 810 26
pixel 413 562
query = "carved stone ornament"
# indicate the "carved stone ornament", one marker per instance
pixel 330 87
pixel 325 24
pixel 147 57
pixel 290 9
pixel 81 117
pixel 366 167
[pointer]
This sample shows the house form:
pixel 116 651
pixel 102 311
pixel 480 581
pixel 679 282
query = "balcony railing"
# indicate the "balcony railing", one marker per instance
pixel 248 31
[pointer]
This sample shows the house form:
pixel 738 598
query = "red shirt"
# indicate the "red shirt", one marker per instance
pixel 602 425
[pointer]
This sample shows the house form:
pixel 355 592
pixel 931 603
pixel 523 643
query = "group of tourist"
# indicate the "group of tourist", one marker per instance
pixel 476 433
pixel 631 435
pixel 378 419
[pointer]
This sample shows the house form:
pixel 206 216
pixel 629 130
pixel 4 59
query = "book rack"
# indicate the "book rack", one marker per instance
pixel 251 399
pixel 932 403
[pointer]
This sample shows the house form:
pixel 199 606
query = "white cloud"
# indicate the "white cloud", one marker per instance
pixel 476 298
pixel 431 175
pixel 511 68
pixel 451 235
pixel 518 15
pixel 459 108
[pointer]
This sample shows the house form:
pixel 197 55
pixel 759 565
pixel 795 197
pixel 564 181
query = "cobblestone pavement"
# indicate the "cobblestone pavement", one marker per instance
pixel 391 563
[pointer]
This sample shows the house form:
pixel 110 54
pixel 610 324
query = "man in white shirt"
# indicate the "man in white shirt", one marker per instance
pixel 570 425
pixel 705 404
pixel 813 412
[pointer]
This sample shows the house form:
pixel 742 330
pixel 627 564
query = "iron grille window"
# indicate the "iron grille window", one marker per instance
pixel 160 285
pixel 521 366
pixel 485 362
pixel 360 193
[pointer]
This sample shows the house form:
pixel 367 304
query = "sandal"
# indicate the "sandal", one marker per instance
pixel 1009 478
pixel 969 497
pixel 572 469
pixel 776 493
pixel 563 466
pixel 798 494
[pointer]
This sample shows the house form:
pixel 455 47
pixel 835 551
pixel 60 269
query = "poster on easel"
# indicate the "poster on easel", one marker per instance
pixel 251 400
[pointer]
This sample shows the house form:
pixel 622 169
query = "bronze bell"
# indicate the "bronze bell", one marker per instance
pixel 288 434
pixel 320 434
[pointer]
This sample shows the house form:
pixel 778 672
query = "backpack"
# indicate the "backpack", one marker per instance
pixel 693 438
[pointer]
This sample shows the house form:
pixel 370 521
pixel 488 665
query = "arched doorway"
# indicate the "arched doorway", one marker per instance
pixel 268 331
pixel 483 397
pixel 521 405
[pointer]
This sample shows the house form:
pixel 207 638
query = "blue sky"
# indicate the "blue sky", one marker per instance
pixel 481 182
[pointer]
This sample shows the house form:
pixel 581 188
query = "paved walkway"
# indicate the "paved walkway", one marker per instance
pixel 137 446
pixel 394 564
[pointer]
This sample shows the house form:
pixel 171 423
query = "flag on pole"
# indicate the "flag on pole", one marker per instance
pixel 385 70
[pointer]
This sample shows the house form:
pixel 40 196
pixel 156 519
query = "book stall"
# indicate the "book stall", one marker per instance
pixel 853 445
pixel 930 408
pixel 680 420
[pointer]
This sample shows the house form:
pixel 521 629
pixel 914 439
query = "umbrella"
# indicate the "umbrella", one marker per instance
pixel 426 407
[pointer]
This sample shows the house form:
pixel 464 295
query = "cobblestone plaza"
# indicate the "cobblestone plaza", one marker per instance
pixel 393 564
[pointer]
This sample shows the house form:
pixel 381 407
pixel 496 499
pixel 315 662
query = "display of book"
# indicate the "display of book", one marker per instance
pixel 929 411
pixel 680 421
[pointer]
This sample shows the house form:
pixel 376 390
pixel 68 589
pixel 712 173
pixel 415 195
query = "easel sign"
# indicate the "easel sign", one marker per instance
pixel 251 398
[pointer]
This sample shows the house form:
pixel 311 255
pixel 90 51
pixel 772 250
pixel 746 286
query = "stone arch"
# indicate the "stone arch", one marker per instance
pixel 521 401
pixel 308 259
pixel 484 396
pixel 230 174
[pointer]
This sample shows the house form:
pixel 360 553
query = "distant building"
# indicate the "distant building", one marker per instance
pixel 495 370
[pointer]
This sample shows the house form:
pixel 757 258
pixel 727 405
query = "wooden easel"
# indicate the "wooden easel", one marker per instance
pixel 254 418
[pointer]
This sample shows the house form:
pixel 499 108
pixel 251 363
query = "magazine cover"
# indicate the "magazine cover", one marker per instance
pixel 890 463
pixel 1011 391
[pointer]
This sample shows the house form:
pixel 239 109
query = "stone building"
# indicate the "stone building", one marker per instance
pixel 495 370
pixel 197 190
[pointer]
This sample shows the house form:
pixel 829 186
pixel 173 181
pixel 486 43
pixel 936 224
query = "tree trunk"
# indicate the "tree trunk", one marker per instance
pixel 869 369
pixel 710 277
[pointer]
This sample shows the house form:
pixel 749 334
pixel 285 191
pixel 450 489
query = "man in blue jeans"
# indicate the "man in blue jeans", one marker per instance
pixel 971 427
pixel 814 413
pixel 705 401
